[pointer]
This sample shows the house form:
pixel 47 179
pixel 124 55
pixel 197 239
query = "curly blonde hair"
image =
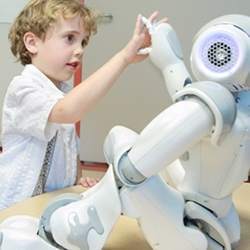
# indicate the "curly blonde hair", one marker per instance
pixel 39 15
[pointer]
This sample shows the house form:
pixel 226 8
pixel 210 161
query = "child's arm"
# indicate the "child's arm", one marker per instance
pixel 77 102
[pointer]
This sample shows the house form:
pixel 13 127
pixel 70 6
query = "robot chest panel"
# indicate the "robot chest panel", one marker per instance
pixel 217 170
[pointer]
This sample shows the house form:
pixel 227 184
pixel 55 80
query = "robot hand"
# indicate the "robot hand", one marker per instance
pixel 166 54
pixel 166 48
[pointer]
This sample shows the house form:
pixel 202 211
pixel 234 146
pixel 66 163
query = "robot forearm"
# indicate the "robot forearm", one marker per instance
pixel 176 77
pixel 166 54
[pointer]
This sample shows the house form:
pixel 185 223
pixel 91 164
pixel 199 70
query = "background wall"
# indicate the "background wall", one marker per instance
pixel 8 66
pixel 139 95
pixel 9 9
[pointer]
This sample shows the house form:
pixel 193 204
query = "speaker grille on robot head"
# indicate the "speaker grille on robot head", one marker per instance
pixel 219 53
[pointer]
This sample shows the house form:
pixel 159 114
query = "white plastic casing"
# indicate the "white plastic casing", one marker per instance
pixel 221 53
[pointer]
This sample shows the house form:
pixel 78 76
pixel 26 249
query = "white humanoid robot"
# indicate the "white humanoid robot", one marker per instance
pixel 203 139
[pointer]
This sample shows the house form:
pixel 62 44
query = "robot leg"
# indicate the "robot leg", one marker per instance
pixel 220 234
pixel 86 224
pixel 231 223
pixel 160 212
pixel 69 222
pixel 20 232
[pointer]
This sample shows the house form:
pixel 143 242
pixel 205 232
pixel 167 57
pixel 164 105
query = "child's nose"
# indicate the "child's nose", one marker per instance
pixel 78 51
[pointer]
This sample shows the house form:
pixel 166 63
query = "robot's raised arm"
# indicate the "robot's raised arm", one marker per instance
pixel 166 54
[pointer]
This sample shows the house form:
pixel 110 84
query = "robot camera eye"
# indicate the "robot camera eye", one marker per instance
pixel 219 52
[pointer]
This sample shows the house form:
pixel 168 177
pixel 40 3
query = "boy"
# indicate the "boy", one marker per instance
pixel 38 133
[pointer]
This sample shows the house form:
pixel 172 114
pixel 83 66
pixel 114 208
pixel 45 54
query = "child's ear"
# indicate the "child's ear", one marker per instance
pixel 30 41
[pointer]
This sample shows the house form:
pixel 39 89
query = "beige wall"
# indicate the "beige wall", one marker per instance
pixel 8 67
pixel 9 9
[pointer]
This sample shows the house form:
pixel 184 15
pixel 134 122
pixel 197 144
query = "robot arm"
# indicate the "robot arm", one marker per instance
pixel 200 112
pixel 167 55
pixel 166 138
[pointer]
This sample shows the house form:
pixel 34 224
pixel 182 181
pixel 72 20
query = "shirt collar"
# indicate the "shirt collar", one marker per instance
pixel 32 71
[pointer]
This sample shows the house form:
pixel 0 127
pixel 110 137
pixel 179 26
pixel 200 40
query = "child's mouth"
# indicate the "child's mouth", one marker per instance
pixel 73 65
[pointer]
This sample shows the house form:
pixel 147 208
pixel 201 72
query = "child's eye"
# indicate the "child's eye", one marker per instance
pixel 70 38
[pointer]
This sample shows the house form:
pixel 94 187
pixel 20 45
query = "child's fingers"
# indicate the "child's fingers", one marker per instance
pixel 163 20
pixel 88 182
pixel 139 25
pixel 91 182
pixel 153 16
pixel 83 182
pixel 141 28
pixel 151 19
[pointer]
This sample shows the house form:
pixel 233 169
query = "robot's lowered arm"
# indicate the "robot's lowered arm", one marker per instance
pixel 167 137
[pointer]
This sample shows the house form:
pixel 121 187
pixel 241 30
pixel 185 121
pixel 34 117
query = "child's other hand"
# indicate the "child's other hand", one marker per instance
pixel 87 182
pixel 141 39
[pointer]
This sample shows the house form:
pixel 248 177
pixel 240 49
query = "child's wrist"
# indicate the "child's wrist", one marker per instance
pixel 124 58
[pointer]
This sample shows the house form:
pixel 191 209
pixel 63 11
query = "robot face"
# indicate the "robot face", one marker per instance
pixel 221 53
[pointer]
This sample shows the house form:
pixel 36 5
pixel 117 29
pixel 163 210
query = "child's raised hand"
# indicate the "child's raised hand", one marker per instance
pixel 141 39
pixel 87 182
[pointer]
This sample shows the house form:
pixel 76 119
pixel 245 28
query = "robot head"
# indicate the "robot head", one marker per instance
pixel 221 52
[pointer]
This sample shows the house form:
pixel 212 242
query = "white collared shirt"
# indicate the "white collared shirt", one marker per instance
pixel 25 135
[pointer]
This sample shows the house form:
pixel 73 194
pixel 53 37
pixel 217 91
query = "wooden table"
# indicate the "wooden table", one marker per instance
pixel 126 234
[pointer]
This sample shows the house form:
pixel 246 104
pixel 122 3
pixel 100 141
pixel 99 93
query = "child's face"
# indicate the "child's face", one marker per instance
pixel 60 53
